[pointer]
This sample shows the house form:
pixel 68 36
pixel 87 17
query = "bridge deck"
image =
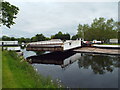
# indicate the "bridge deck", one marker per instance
pixel 53 45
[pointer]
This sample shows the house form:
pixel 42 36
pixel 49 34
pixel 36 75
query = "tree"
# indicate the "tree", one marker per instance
pixel 47 38
pixel 6 38
pixel 100 29
pixel 33 39
pixel 9 13
pixel 27 40
pixel 22 39
pixel 61 36
pixel 13 39
pixel 74 37
pixel 80 31
pixel 38 37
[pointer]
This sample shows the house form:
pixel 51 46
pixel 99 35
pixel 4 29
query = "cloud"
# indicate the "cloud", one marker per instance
pixel 49 18
pixel 63 0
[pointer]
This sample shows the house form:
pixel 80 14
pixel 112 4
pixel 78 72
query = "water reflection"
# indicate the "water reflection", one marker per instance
pixel 99 64
pixel 79 70
pixel 39 52
pixel 56 58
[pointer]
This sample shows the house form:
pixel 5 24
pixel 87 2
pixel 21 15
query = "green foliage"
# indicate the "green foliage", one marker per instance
pixel 74 37
pixel 22 39
pixel 61 36
pixel 13 39
pixel 99 64
pixel 100 29
pixel 6 38
pixel 0 68
pixel 9 13
pixel 17 74
pixel 38 37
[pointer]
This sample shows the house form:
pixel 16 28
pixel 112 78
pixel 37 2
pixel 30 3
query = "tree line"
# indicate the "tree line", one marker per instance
pixel 99 29
pixel 38 37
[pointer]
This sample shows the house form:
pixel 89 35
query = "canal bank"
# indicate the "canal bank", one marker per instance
pixel 77 70
pixel 98 50
pixel 17 73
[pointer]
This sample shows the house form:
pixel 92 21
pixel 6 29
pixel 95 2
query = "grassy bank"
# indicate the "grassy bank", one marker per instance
pixel 20 74
pixel 0 68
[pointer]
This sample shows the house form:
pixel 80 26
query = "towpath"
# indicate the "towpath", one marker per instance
pixel 98 50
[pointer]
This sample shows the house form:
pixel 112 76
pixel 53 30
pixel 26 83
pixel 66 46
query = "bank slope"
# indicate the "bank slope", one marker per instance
pixel 17 74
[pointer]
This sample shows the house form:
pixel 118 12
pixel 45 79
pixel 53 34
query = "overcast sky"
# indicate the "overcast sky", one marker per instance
pixel 50 17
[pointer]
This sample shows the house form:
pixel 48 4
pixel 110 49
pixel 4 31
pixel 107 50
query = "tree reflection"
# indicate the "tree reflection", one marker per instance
pixel 39 52
pixel 100 64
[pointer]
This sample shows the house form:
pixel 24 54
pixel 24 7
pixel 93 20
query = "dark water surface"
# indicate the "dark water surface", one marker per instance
pixel 77 70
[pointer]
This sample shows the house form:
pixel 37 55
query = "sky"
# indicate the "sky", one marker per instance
pixel 48 18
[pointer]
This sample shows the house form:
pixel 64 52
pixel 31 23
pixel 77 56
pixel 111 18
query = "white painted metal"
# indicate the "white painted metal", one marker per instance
pixel 71 59
pixel 12 48
pixel 9 42
pixel 53 41
pixel 68 44
pixel 71 44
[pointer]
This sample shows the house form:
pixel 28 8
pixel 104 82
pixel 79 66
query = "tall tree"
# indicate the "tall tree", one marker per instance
pixel 80 31
pixel 9 13
pixel 100 29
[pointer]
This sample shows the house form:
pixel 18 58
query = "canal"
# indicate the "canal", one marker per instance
pixel 77 70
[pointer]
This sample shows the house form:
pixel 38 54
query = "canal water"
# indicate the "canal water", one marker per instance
pixel 77 70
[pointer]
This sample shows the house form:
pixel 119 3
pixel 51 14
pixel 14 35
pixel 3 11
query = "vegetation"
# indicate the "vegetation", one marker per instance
pixel 38 37
pixel 100 29
pixel 74 37
pixel 9 13
pixel 17 73
pixel 61 36
pixel 99 64
pixel 0 68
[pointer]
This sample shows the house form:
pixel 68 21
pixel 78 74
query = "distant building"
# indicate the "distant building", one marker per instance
pixel 115 40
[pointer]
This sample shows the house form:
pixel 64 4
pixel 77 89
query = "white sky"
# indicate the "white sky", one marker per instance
pixel 41 16
pixel 62 0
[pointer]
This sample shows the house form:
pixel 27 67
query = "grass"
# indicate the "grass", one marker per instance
pixel 0 68
pixel 17 73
